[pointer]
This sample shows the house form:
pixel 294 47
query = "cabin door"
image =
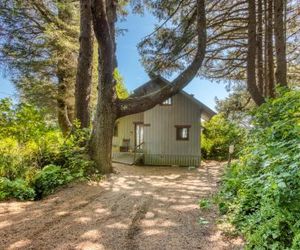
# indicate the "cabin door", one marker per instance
pixel 139 135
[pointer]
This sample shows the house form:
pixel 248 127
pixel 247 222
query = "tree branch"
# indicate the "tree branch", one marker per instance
pixel 138 104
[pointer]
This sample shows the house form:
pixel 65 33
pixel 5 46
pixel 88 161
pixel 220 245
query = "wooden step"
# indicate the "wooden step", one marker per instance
pixel 126 157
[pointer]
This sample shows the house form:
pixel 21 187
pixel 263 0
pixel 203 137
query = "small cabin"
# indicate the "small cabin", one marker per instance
pixel 168 134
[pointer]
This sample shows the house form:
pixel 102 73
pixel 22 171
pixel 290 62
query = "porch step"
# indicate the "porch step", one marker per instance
pixel 126 157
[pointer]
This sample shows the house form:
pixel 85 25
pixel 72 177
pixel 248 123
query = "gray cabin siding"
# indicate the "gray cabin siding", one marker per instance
pixel 161 146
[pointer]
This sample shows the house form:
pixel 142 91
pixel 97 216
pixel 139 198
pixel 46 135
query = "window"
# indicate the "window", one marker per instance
pixel 167 102
pixel 182 132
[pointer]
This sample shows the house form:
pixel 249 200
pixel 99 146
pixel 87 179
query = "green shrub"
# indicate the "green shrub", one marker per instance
pixel 10 158
pixel 49 178
pixel 22 122
pixel 261 193
pixel 296 241
pixel 34 155
pixel 18 189
pixel 217 135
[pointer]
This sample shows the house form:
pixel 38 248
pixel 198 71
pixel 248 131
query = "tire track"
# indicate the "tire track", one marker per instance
pixel 134 227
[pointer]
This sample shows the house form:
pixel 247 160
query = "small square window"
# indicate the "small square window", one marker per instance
pixel 167 102
pixel 182 133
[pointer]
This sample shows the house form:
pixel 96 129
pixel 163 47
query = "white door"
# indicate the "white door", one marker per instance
pixel 139 135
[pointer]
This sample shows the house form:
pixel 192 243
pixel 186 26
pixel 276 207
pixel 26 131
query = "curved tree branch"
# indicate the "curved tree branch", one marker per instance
pixel 136 104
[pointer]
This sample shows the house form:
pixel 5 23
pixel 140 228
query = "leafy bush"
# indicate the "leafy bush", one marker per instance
pixel 22 122
pixel 10 158
pixel 218 134
pixel 49 178
pixel 35 158
pixel 17 188
pixel 261 193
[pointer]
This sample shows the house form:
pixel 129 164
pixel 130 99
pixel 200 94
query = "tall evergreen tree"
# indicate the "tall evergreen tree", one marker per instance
pixel 38 47
pixel 85 65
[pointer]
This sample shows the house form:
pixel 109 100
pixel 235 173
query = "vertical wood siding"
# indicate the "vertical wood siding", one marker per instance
pixel 181 160
pixel 160 136
pixel 160 144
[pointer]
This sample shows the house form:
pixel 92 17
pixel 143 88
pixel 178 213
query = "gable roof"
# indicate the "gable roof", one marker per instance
pixel 159 82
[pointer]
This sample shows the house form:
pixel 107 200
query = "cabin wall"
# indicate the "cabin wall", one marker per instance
pixel 126 130
pixel 161 146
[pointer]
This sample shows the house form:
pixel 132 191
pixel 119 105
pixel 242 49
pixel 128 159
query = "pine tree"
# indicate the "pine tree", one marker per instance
pixel 38 47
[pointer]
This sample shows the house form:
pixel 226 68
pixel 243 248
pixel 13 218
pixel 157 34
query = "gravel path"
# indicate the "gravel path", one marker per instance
pixel 136 208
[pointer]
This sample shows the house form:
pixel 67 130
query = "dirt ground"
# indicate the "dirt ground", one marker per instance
pixel 136 208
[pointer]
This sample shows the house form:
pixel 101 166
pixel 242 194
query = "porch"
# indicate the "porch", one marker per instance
pixel 128 158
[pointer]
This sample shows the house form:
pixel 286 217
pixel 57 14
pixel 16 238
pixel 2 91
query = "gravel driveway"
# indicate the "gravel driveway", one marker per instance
pixel 136 208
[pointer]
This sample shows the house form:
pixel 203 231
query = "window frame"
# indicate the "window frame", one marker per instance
pixel 167 104
pixel 178 134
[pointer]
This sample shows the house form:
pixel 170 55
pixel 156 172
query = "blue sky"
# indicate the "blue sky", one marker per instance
pixel 131 69
pixel 6 88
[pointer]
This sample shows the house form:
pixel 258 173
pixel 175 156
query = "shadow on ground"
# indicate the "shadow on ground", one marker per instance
pixel 137 208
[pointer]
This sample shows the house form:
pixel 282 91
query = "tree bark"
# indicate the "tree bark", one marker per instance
pixel 109 107
pixel 280 43
pixel 85 65
pixel 259 51
pixel 251 72
pixel 270 59
pixel 102 133
pixel 266 75
pixel 104 18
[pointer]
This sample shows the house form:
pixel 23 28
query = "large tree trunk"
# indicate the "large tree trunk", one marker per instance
pixel 259 51
pixel 280 43
pixel 270 91
pixel 106 114
pixel 266 79
pixel 102 134
pixel 85 65
pixel 251 76
pixel 104 18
